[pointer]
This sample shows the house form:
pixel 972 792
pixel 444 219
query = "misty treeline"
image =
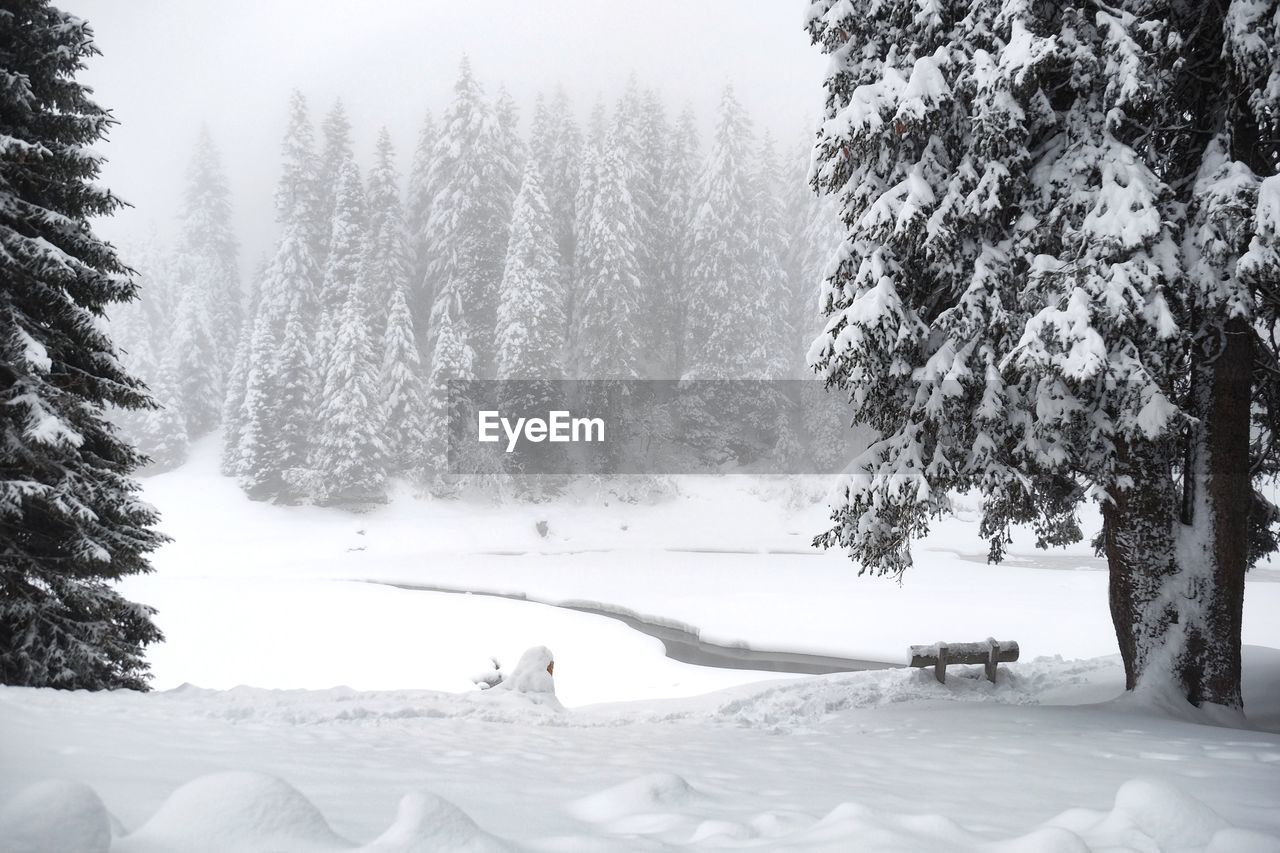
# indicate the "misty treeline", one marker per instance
pixel 621 248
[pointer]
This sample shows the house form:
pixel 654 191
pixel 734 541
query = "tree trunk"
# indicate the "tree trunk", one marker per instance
pixel 1177 561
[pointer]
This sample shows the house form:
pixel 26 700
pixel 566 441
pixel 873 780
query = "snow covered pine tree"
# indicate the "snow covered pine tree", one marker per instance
pixel 70 519
pixel 1059 280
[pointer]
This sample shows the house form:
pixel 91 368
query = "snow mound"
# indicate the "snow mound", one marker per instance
pixel 1153 815
pixel 532 674
pixel 806 702
pixel 531 679
pixel 642 795
pixel 426 823
pixel 55 817
pixel 236 811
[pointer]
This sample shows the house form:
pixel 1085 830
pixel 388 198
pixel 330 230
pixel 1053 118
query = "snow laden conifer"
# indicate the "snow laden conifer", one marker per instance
pixel 723 283
pixel 682 175
pixel 1054 286
pixel 530 332
pixel 556 144
pixel 531 324
pixel 208 243
pixel 349 456
pixel 451 359
pixel 470 186
pixel 401 374
pixel 194 346
pixel 347 241
pixel 335 151
pixel 71 521
pixel 606 331
pixel 417 213
pixel 770 352
pixel 403 392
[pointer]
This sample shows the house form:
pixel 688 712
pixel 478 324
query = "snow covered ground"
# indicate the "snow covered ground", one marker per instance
pixel 885 760
pixel 270 596
pixel 383 741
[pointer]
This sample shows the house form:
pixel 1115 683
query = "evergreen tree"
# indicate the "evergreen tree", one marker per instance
pixel 386 252
pixel 771 351
pixel 194 346
pixel 723 286
pixel 451 359
pixel 299 196
pixel 606 326
pixel 335 152
pixel 815 233
pixel 208 242
pixel 347 242
pixel 1062 225
pixel 403 395
pixel 556 145
pixel 417 215
pixel 349 456
pixel 678 192
pixel 470 188
pixel 531 325
pixel 71 521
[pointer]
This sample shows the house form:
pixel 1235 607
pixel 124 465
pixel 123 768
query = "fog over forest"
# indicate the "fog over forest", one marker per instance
pixel 170 67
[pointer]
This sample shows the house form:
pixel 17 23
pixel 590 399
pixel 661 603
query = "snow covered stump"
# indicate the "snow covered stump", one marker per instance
pixel 989 653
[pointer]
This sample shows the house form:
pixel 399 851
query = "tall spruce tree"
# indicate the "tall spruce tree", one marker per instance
pixel 1058 282
pixel 194 344
pixel 335 150
pixel 470 186
pixel 348 239
pixel 607 331
pixel 724 287
pixel 349 456
pixel 403 393
pixel 417 214
pixel 679 191
pixel 531 325
pixel 208 240
pixel 71 521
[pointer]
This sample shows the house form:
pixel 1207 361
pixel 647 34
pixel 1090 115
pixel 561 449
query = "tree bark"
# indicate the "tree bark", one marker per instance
pixel 1177 562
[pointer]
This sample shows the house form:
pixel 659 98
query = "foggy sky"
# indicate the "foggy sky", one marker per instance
pixel 170 65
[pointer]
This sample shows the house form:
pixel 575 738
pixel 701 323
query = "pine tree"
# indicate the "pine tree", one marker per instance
pixel 451 359
pixel 723 283
pixel 471 195
pixel 300 197
pixel 208 241
pixel 281 385
pixel 417 214
pixel 815 233
pixel 386 251
pixel 678 196
pixel 348 237
pixel 335 152
pixel 349 456
pixel 403 395
pixel 606 326
pixel 772 349
pixel 193 341
pixel 71 521
pixel 556 145
pixel 1062 222
pixel 530 333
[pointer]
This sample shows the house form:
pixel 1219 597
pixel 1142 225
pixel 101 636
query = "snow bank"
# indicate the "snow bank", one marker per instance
pixel 55 817
pixel 426 823
pixel 235 811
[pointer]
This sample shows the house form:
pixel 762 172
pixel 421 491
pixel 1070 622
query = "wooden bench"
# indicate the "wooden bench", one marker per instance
pixel 988 653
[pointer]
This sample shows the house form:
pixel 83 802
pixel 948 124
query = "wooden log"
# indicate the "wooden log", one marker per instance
pixel 940 664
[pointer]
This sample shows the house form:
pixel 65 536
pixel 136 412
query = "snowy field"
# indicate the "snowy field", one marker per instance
pixel 380 738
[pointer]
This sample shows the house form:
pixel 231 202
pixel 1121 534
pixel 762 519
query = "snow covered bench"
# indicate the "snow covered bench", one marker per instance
pixel 988 653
